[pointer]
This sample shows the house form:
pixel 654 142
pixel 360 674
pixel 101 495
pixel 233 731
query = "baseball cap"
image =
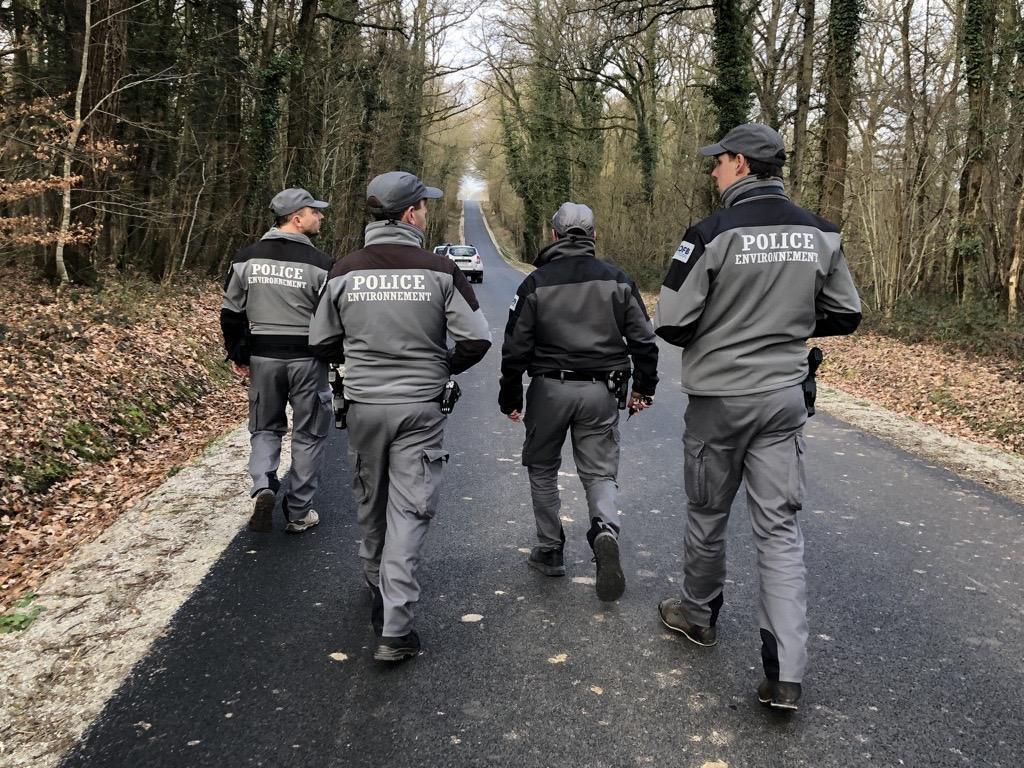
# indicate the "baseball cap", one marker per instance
pixel 573 218
pixel 755 141
pixel 292 199
pixel 395 191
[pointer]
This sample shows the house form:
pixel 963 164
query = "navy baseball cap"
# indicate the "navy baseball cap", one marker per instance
pixel 395 191
pixel 755 141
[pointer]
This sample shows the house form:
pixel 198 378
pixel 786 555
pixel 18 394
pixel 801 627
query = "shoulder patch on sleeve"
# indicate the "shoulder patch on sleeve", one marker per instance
pixel 683 252
pixel 515 301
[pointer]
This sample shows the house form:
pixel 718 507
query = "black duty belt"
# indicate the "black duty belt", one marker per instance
pixel 575 375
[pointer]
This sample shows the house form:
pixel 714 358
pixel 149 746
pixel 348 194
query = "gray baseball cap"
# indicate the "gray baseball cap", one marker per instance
pixel 755 141
pixel 395 191
pixel 292 199
pixel 573 218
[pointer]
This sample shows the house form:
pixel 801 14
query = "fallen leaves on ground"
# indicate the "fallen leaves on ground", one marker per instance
pixel 103 393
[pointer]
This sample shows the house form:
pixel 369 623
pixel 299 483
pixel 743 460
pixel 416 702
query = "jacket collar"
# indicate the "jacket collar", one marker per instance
pixel 392 233
pixel 573 245
pixel 279 234
pixel 751 188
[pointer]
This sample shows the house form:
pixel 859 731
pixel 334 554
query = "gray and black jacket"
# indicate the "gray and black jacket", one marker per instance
pixel 386 312
pixel 748 286
pixel 270 292
pixel 576 313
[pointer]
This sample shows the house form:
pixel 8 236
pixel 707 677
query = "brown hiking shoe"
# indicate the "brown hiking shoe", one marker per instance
pixel 671 612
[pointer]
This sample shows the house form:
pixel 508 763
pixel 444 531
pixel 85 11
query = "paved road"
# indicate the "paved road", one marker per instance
pixel 915 609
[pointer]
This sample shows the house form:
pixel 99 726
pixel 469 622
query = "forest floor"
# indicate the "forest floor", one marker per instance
pixel 104 393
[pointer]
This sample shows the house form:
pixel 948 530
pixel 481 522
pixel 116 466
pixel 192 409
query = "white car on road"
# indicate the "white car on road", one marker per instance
pixel 466 258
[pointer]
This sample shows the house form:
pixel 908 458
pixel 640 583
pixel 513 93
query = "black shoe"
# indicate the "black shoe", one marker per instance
pixel 611 582
pixel 263 511
pixel 779 695
pixel 671 612
pixel 376 609
pixel 398 648
pixel 550 562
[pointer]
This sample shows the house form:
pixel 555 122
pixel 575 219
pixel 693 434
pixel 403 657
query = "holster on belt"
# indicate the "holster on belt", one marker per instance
pixel 336 376
pixel 618 383
pixel 810 384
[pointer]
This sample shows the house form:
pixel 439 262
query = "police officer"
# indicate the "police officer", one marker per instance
pixel 745 290
pixel 573 326
pixel 386 310
pixel 269 294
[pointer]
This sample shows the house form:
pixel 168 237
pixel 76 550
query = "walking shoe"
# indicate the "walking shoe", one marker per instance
pixel 263 511
pixel 376 609
pixel 779 695
pixel 611 582
pixel 299 525
pixel 398 648
pixel 550 562
pixel 671 612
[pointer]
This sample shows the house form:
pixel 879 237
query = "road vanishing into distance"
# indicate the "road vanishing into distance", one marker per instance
pixel 916 612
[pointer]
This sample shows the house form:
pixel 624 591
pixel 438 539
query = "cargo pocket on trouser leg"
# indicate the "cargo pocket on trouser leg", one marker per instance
pixel 254 410
pixel 430 485
pixel 797 477
pixel 324 414
pixel 695 478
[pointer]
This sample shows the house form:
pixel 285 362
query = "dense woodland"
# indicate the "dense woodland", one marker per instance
pixel 148 135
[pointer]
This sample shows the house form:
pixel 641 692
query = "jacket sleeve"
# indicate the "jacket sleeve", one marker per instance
pixel 684 292
pixel 837 305
pixel 326 332
pixel 234 323
pixel 639 335
pixel 517 350
pixel 466 325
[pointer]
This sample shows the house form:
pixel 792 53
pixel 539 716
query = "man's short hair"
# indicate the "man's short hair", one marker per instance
pixel 280 221
pixel 377 215
pixel 760 168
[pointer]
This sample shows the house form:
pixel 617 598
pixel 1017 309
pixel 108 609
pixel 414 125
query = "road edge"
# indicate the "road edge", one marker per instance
pixel 57 675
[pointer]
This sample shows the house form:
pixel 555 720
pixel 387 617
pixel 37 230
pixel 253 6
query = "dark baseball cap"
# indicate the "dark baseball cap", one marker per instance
pixel 395 191
pixel 755 141
pixel 573 218
pixel 292 199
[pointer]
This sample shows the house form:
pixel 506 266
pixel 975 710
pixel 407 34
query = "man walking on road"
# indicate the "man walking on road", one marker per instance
pixel 385 312
pixel 269 294
pixel 573 326
pixel 745 290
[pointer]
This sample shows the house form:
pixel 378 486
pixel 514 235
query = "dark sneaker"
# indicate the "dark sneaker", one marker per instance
pixel 779 695
pixel 303 523
pixel 611 582
pixel 671 612
pixel 398 648
pixel 376 609
pixel 263 511
pixel 550 562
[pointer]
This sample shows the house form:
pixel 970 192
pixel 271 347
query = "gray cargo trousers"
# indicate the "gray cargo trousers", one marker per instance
pixel 274 383
pixel 397 465
pixel 758 439
pixel 589 412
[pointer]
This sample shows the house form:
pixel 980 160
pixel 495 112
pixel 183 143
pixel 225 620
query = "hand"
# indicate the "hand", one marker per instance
pixel 638 402
pixel 515 416
pixel 239 370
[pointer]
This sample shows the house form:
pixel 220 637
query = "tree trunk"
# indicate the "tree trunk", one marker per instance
pixel 844 20
pixel 804 83
pixel 76 131
pixel 734 82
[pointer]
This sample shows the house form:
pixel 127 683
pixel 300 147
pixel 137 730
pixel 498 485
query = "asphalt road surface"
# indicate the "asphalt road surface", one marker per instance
pixel 915 608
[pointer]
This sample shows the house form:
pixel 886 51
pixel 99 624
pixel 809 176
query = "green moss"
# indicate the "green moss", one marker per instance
pixel 87 440
pixel 45 470
pixel 21 615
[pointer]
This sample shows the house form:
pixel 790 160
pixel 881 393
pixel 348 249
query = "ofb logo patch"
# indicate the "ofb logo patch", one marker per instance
pixel 683 252
pixel 512 306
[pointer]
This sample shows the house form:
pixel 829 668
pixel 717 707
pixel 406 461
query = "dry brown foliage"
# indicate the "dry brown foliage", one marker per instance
pixel 102 394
